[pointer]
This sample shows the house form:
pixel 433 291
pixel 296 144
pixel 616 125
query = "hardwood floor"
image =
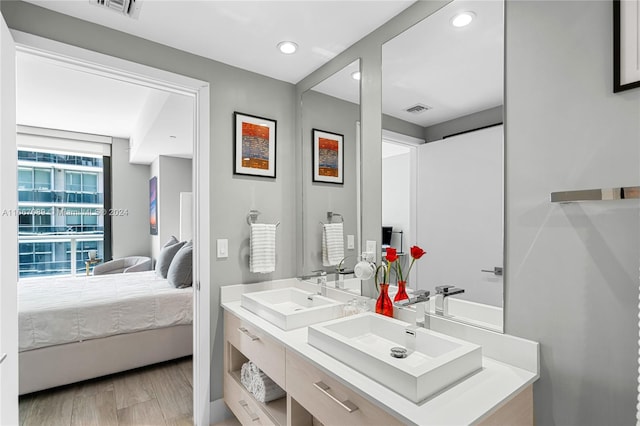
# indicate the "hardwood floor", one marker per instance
pixel 157 395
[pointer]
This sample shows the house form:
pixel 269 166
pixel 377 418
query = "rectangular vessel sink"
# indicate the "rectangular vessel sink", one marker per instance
pixel 291 308
pixel 364 341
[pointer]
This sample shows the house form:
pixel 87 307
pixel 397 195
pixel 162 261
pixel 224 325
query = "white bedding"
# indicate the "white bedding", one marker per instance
pixel 53 311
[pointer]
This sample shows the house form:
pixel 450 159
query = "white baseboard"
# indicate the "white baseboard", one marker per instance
pixel 218 411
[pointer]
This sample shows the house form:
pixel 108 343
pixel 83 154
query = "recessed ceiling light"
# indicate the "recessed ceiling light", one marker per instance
pixel 462 19
pixel 356 75
pixel 287 47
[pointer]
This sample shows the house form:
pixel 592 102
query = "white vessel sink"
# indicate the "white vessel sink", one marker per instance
pixel 290 308
pixel 364 341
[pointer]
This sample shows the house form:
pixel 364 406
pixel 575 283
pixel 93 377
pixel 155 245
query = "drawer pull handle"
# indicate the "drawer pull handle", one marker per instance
pixel 347 405
pixel 250 413
pixel 251 336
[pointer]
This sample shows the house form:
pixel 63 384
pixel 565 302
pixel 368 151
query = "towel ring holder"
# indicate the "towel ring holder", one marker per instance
pixel 331 215
pixel 252 217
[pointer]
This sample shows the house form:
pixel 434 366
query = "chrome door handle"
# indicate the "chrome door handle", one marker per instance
pixel 497 270
pixel 250 335
pixel 2 358
pixel 347 405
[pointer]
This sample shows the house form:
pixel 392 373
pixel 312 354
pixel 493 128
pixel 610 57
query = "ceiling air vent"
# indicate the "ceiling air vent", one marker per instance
pixel 417 108
pixel 130 8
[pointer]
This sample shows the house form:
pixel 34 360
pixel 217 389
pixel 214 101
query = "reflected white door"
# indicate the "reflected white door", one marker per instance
pixel 8 232
pixel 460 213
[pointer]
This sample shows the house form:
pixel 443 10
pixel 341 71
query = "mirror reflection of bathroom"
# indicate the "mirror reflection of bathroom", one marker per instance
pixel 442 149
pixel 331 222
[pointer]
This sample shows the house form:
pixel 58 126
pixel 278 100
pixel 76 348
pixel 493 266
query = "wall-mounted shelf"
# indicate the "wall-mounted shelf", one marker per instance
pixel 604 194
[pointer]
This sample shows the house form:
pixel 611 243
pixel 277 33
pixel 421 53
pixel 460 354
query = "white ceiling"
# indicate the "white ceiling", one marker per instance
pixel 245 33
pixel 52 95
pixel 455 71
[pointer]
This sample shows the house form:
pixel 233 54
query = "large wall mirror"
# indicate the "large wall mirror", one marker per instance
pixel 330 121
pixel 442 104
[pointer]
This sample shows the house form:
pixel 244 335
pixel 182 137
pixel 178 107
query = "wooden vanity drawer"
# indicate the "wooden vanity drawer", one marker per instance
pixel 243 405
pixel 265 352
pixel 328 400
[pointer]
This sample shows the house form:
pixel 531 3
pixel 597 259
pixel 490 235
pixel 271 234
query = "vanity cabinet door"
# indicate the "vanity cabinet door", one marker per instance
pixel 328 400
pixel 266 353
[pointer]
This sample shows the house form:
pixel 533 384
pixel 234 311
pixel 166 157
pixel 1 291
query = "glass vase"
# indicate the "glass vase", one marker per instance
pixel 383 304
pixel 402 292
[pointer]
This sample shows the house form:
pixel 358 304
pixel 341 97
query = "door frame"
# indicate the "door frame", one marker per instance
pixel 132 72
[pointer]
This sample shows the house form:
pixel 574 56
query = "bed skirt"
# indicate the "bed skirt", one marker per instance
pixel 74 362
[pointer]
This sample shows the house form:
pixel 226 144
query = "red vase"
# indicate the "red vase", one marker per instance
pixel 383 304
pixel 402 292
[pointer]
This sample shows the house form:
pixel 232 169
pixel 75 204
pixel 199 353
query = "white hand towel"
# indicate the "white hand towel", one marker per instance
pixel 265 389
pixel 246 376
pixel 332 244
pixel 262 248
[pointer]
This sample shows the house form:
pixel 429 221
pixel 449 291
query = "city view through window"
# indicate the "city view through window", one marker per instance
pixel 60 212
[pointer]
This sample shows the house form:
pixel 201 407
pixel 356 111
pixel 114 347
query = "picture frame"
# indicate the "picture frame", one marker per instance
pixel 254 145
pixel 626 45
pixel 153 205
pixel 328 156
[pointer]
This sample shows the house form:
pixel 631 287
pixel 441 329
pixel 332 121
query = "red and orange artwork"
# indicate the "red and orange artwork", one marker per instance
pixel 255 146
pixel 328 152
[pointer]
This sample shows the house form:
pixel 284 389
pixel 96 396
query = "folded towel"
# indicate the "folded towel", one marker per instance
pixel 332 244
pixel 265 389
pixel 246 375
pixel 262 248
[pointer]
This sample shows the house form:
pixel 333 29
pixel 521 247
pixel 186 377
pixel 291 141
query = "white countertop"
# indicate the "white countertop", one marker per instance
pixel 467 402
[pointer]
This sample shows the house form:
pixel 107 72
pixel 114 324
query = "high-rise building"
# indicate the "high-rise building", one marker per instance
pixel 61 211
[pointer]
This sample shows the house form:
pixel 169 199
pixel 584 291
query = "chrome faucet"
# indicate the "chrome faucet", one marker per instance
pixel 321 279
pixel 340 272
pixel 417 297
pixel 442 293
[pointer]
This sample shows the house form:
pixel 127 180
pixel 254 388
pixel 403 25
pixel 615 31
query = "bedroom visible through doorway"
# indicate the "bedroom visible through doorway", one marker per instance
pixel 197 96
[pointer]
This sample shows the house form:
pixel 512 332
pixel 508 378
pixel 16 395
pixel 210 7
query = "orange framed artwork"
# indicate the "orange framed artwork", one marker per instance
pixel 255 145
pixel 328 157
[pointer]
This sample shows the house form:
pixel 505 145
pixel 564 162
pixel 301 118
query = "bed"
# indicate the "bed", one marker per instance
pixel 77 328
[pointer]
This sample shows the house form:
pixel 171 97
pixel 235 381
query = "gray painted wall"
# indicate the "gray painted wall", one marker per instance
pixel 474 121
pixel 231 197
pixel 336 116
pixel 400 126
pixel 130 191
pixel 571 269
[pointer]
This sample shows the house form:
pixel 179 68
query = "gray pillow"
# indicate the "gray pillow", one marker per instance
pixel 180 273
pixel 167 253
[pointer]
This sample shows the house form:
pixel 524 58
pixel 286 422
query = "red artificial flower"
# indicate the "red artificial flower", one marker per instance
pixel 417 252
pixel 391 255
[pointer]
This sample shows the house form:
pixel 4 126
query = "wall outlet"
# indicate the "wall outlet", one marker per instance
pixel 371 246
pixel 222 246
pixel 350 242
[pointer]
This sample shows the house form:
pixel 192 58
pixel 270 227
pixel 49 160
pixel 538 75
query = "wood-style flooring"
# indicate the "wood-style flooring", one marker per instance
pixel 157 395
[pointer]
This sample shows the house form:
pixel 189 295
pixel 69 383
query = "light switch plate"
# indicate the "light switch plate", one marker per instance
pixel 371 246
pixel 350 242
pixel 222 246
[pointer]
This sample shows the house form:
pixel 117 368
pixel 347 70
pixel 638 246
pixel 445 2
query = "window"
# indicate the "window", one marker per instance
pixel 60 197
pixel 34 178
pixel 35 219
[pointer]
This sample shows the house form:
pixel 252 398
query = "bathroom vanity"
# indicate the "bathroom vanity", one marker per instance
pixel 321 388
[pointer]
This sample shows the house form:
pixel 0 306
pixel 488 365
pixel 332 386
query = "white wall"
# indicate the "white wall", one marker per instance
pixel 130 192
pixel 396 197
pixel 571 269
